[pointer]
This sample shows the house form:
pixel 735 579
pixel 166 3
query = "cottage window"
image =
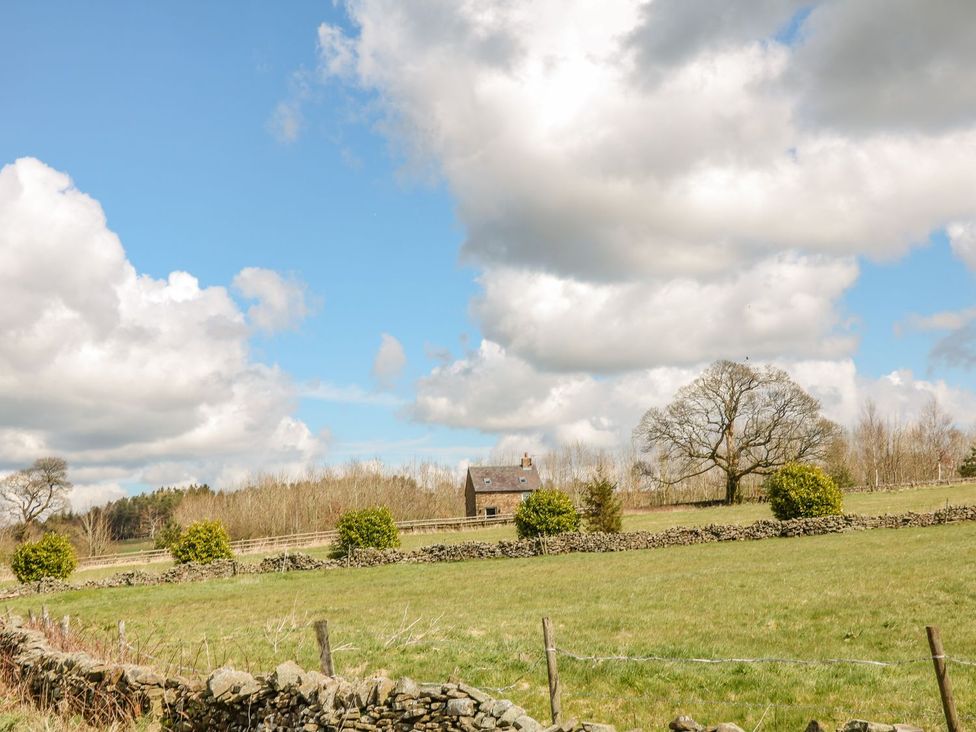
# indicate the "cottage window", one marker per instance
pixel 526 495
pixel 490 511
pixel 522 479
pixel 487 481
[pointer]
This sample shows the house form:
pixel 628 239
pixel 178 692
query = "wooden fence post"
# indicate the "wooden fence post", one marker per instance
pixel 325 650
pixel 942 676
pixel 123 645
pixel 555 692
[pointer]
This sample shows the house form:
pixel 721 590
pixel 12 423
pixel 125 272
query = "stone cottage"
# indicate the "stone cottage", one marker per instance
pixel 496 490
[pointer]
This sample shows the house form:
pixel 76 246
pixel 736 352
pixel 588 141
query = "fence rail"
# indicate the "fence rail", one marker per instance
pixel 290 541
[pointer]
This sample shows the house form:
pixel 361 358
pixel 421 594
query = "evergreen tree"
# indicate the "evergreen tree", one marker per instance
pixel 968 467
pixel 601 507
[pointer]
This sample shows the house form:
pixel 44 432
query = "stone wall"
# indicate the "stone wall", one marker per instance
pixel 562 544
pixel 289 698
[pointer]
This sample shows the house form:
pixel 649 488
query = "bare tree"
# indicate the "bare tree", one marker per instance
pixel 736 419
pixel 937 435
pixel 97 530
pixel 37 491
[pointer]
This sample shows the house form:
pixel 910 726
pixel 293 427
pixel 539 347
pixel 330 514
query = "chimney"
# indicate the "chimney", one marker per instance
pixel 526 462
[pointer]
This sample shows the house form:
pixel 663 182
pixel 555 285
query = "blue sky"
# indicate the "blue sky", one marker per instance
pixel 165 115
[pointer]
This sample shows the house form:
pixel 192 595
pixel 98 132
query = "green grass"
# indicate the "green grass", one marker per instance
pixel 917 499
pixel 859 595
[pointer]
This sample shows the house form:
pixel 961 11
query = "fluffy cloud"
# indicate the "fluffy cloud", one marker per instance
pixel 500 393
pixel 962 239
pixel 781 305
pixel 632 152
pixel 389 362
pixel 122 373
pixel 280 302
pixel 493 390
pixel 648 186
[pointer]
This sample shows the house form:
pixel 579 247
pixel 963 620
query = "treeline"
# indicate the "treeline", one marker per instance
pixel 273 505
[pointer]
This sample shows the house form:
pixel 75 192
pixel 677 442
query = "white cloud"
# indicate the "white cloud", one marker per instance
pixel 496 392
pixel 618 169
pixel 84 496
pixel 281 303
pixel 117 371
pixel 781 305
pixel 389 362
pixel 649 186
pixel 962 239
pixel 945 320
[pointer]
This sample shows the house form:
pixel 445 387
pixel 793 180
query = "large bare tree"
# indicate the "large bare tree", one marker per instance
pixel 737 419
pixel 37 491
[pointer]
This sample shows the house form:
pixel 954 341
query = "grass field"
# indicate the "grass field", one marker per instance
pixel 860 595
pixel 917 499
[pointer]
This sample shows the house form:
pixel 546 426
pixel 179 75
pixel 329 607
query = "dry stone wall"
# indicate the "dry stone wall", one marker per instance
pixel 289 698
pixel 561 544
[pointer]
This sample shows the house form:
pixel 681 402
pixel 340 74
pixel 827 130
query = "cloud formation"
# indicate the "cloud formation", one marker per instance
pixel 649 186
pixel 281 303
pixel 123 374
pixel 389 362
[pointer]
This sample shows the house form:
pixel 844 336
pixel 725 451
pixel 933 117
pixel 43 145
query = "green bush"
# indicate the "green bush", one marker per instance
pixel 968 467
pixel 371 527
pixel 802 491
pixel 602 510
pixel 168 535
pixel 544 513
pixel 203 542
pixel 51 556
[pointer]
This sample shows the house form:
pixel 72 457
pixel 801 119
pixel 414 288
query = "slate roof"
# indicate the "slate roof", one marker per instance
pixel 504 479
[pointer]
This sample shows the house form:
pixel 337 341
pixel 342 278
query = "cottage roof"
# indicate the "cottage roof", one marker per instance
pixel 504 478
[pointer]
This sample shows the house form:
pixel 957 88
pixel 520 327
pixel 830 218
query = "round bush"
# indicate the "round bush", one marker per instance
pixel 51 556
pixel 203 542
pixel 369 528
pixel 546 512
pixel 802 491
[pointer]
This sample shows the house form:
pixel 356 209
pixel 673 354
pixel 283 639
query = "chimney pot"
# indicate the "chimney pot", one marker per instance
pixel 526 461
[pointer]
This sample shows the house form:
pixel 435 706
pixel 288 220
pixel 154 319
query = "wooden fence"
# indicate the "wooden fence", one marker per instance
pixel 290 541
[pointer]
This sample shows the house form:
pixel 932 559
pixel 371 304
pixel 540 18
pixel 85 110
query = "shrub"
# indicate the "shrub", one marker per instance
pixel 544 513
pixel 371 527
pixel 168 535
pixel 203 542
pixel 968 467
pixel 602 510
pixel 51 556
pixel 802 491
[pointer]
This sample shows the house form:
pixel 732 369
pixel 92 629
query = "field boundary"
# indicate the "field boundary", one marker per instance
pixel 571 543
pixel 288 541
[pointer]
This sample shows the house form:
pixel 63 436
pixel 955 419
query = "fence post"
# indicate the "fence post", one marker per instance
pixel 325 650
pixel 65 624
pixel 122 642
pixel 45 617
pixel 555 693
pixel 942 676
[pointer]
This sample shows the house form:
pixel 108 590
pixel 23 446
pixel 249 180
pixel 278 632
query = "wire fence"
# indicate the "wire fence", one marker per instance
pixel 168 655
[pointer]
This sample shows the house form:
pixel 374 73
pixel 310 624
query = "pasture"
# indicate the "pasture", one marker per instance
pixel 864 595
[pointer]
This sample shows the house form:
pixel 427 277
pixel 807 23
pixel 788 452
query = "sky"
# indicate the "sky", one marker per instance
pixel 256 236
